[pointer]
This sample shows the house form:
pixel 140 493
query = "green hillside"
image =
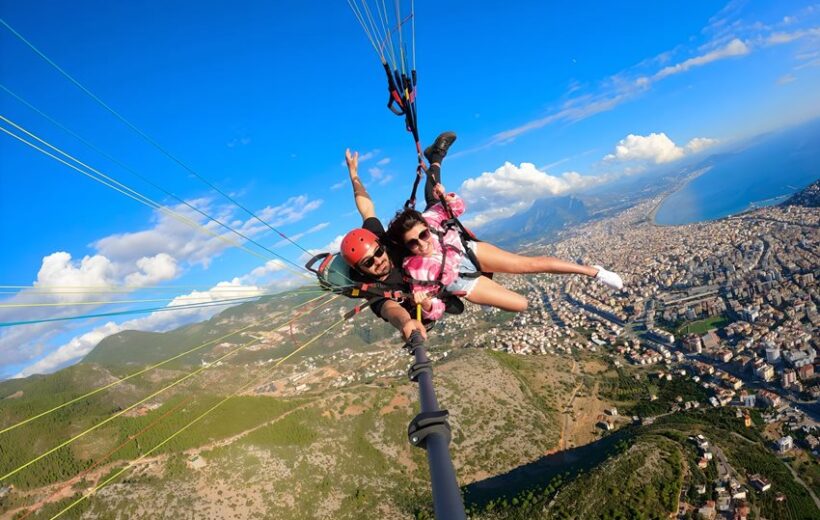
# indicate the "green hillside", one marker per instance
pixel 324 435
pixel 653 470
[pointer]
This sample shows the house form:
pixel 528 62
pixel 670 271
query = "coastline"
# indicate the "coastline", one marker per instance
pixel 679 186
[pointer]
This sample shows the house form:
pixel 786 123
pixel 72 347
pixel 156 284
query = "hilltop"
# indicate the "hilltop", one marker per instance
pixel 808 196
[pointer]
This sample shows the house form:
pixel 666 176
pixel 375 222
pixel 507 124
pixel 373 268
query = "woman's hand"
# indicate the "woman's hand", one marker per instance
pixel 423 298
pixel 352 161
pixel 439 191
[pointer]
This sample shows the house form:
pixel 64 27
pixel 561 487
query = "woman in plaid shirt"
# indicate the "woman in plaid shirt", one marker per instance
pixel 439 260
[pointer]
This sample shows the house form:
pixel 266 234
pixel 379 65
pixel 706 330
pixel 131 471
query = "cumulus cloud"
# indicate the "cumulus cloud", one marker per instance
pixel 172 234
pixel 655 147
pixel 153 270
pixel 510 189
pixel 58 270
pixel 125 262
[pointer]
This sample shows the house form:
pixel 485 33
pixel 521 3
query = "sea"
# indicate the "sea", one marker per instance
pixel 765 171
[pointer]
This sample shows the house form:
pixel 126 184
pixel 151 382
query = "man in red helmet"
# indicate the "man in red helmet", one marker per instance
pixel 362 249
pixel 367 249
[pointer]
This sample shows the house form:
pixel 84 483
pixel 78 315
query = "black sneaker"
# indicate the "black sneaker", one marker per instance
pixel 438 150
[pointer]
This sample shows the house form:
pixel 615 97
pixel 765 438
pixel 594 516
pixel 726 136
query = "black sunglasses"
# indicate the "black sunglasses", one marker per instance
pixel 368 262
pixel 414 242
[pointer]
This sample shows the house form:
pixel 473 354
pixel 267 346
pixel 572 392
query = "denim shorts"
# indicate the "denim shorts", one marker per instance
pixel 463 286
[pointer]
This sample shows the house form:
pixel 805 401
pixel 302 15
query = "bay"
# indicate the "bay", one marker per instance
pixel 766 171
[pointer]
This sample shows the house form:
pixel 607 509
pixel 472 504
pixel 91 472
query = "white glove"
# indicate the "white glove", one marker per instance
pixel 609 278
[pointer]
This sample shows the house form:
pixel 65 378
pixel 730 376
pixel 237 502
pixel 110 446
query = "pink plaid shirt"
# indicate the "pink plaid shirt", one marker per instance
pixel 427 268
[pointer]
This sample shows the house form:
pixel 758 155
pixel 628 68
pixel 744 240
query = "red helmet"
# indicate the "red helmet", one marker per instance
pixel 357 245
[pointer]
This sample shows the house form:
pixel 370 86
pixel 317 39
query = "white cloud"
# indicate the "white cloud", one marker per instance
pixel 375 172
pixel 698 144
pixel 81 345
pixel 291 211
pixel 58 270
pixel 573 110
pixel 318 227
pixel 334 246
pixel 153 270
pixel 369 155
pixel 364 157
pixel 190 244
pixel 298 236
pixel 655 147
pixel 124 260
pixel 511 189
pixel 736 47
pixel 339 185
pixel 270 267
pixel 71 351
pixel 239 141
pixel 728 36
pixel 383 162
pixel 780 38
pixel 173 235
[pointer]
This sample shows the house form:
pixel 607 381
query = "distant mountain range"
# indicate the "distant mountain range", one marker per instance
pixel 549 216
pixel 542 221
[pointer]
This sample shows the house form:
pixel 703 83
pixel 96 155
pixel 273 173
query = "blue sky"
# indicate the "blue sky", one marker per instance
pixel 262 100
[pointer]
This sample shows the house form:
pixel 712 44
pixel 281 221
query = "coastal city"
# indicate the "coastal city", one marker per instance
pixel 730 305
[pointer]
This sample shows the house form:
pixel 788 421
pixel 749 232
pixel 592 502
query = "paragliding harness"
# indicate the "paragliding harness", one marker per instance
pixel 466 236
pixel 405 105
pixel 336 276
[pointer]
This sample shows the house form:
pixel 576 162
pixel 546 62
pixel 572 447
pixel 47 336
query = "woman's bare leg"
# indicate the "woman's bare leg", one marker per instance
pixel 495 260
pixel 488 292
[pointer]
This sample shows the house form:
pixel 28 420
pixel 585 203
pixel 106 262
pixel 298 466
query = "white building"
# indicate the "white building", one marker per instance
pixel 772 354
pixel 785 444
